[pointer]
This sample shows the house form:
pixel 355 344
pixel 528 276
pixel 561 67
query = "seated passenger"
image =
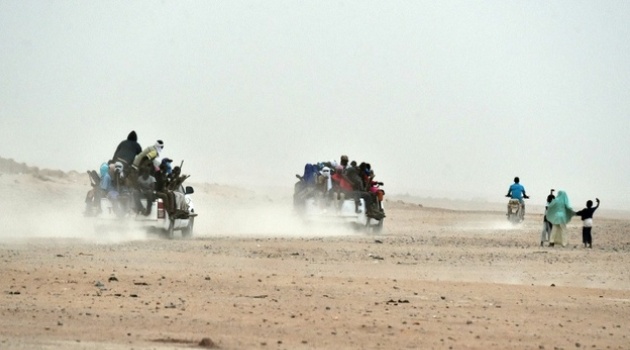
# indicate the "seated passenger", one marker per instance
pixel 310 174
pixel 118 177
pixel 161 176
pixel 325 178
pixel 176 179
pixel 107 185
pixel 127 150
pixel 165 166
pixel 150 155
pixel 340 184
pixel 353 176
pixel 324 187
pixel 306 187
pixel 371 186
pixel 377 191
pixel 145 189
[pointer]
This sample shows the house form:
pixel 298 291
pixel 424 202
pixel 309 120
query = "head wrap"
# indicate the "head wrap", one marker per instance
pixel 559 211
pixel 159 146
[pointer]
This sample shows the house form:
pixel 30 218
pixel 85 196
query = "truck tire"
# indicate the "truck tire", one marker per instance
pixel 188 230
pixel 378 228
pixel 170 232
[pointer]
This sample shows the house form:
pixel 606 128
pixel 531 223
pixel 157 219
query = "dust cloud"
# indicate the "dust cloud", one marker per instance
pixel 38 205
pixel 49 216
pixel 44 204
pixel 244 218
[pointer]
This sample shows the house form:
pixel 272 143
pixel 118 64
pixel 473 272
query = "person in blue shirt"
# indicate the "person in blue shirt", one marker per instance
pixel 517 191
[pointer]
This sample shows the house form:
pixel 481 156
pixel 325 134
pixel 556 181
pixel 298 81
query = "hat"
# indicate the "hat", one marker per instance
pixel 159 144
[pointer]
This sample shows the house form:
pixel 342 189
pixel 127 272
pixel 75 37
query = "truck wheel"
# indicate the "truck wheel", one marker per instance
pixel 187 232
pixel 378 227
pixel 170 232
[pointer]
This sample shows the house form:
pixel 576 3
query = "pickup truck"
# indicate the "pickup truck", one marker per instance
pixel 161 219
pixel 172 211
pixel 318 201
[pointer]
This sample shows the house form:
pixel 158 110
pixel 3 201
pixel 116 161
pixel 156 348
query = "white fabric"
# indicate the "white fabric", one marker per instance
pixel 588 222
pixel 326 173
pixel 157 161
pixel 180 201
pixel 559 234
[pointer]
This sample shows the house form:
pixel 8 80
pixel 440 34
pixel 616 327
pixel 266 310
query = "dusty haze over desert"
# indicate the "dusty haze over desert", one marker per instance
pixel 255 276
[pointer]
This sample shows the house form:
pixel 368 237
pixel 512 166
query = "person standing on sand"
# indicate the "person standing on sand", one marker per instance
pixel 559 213
pixel 587 220
pixel 546 230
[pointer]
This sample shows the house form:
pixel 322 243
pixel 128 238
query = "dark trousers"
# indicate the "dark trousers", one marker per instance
pixel 148 195
pixel 367 198
pixel 586 236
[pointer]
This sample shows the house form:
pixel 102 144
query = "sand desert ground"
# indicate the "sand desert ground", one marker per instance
pixel 254 277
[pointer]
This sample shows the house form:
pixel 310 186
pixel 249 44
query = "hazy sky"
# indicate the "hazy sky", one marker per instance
pixel 450 98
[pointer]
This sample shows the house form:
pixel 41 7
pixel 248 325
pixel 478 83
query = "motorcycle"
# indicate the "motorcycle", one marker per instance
pixel 516 210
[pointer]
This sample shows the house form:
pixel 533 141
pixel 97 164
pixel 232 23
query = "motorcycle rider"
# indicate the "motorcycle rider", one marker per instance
pixel 517 191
